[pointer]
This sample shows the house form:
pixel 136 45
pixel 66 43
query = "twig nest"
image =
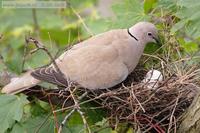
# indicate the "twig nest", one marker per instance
pixel 152 79
pixel 134 102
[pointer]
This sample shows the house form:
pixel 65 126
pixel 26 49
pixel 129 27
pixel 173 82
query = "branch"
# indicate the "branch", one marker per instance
pixel 35 21
pixel 39 46
pixel 82 21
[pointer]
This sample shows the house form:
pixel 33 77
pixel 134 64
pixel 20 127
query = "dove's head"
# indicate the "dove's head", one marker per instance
pixel 144 32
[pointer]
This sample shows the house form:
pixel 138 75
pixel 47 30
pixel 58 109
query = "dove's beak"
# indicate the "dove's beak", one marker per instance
pixel 157 40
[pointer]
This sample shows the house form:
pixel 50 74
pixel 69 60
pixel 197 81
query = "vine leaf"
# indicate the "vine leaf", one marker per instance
pixel 11 110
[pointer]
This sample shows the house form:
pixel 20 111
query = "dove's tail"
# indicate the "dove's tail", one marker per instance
pixel 20 83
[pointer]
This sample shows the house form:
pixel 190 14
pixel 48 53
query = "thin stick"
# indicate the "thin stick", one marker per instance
pixel 35 21
pixel 82 21
pixel 137 100
pixel 39 46
pixel 77 107
pixel 84 120
pixel 24 54
pixel 54 114
pixel 171 117
pixel 65 119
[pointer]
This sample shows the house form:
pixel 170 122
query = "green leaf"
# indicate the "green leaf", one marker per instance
pixel 151 48
pixel 59 36
pixel 189 47
pixel 17 128
pixel 11 110
pixel 103 123
pixel 46 124
pixel 37 110
pixel 129 12
pixel 169 5
pixel 189 15
pixel 93 115
pixel 41 124
pixel 177 27
pixel 14 60
pixel 148 5
pixel 188 3
pixel 98 26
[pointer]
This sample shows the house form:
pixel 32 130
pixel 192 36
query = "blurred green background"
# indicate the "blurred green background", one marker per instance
pixel 178 22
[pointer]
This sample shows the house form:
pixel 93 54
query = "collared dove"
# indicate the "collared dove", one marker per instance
pixel 99 62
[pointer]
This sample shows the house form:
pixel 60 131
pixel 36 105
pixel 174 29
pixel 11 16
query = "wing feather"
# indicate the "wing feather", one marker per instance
pixel 49 74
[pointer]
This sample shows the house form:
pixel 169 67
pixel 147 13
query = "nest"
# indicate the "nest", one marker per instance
pixel 156 110
pixel 152 110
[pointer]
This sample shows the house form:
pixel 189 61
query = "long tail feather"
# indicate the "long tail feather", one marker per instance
pixel 21 83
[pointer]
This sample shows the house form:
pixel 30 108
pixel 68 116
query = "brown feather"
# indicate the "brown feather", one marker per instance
pixel 48 74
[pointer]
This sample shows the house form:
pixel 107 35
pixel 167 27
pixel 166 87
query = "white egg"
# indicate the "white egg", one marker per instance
pixel 152 79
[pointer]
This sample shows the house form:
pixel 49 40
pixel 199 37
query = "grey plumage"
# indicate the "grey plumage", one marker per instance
pixel 100 62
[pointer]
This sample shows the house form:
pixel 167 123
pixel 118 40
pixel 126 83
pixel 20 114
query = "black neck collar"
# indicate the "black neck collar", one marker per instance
pixel 131 35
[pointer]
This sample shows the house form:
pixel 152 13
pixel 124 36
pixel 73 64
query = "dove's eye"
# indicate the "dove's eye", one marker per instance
pixel 149 34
